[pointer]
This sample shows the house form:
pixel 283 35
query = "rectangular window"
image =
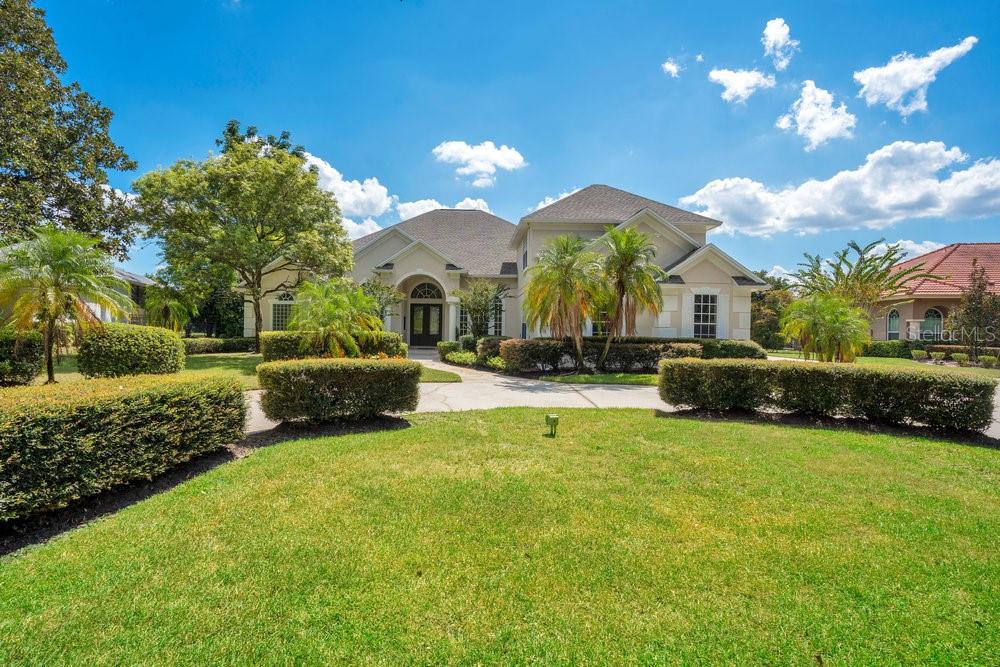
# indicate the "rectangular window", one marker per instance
pixel 463 321
pixel 524 259
pixel 524 329
pixel 706 308
pixel 281 313
pixel 599 326
pixel 496 322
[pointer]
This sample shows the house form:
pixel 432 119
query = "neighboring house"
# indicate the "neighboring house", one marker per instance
pixel 920 313
pixel 137 290
pixel 428 257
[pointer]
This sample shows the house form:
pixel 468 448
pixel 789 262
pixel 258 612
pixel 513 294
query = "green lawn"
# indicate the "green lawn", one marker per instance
pixel 473 538
pixel 604 378
pixel 240 365
pixel 906 363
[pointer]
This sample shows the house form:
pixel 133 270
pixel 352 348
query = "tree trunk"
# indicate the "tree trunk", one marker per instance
pixel 258 320
pixel 611 328
pixel 50 340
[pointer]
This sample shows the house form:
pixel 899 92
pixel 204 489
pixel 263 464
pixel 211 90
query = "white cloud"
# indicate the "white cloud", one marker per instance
pixel 699 58
pixel 411 209
pixel 356 230
pixel 906 75
pixel 360 198
pixel 814 117
pixel 740 84
pixel 671 68
pixel 900 181
pixel 476 204
pixel 778 43
pixel 549 199
pixel 912 248
pixel 480 161
pixel 779 271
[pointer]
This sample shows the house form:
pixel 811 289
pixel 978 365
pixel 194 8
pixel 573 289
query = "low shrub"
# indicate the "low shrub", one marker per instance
pixel 21 357
pixel 382 343
pixel 988 360
pixel 937 400
pixel 622 357
pixel 961 358
pixel 918 355
pixel 113 350
pixel 681 350
pixel 206 345
pixel 897 349
pixel 283 345
pixel 488 346
pixel 446 347
pixel 461 358
pixel 325 389
pixel 496 363
pixel 467 342
pixel 532 354
pixel 948 349
pixel 725 348
pixel 59 443
pixel 938 357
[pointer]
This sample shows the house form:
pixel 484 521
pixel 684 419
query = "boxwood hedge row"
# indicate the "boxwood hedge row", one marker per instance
pixel 59 443
pixel 113 350
pixel 207 345
pixel 326 389
pixel 283 345
pixel 21 358
pixel 938 400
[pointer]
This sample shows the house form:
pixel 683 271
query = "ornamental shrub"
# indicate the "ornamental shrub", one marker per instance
pixel 326 389
pixel 488 346
pixel 496 363
pixel 532 354
pixel 467 342
pixel 113 350
pixel 896 349
pixel 918 355
pixel 446 347
pixel 938 357
pixel 59 443
pixel 382 343
pixel 681 350
pixel 281 345
pixel 961 357
pixel 207 345
pixel 21 357
pixel 461 358
pixel 988 360
pixel 938 400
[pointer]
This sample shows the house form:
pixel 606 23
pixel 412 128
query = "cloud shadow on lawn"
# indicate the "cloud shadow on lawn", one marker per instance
pixel 973 438
pixel 39 528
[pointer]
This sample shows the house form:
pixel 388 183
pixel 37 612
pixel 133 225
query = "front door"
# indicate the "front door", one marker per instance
pixel 425 324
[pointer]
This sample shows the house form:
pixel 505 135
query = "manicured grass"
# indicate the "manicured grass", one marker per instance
pixel 605 378
pixel 239 365
pixel 906 363
pixel 473 538
pixel 438 375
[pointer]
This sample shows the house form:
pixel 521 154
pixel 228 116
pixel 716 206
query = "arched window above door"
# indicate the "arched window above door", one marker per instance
pixel 426 291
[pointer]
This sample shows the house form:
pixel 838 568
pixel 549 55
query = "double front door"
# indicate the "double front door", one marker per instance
pixel 425 324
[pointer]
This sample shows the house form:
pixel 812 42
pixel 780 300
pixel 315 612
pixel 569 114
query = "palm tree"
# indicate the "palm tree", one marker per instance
pixel 562 289
pixel 826 326
pixel 338 312
pixel 52 278
pixel 168 307
pixel 631 279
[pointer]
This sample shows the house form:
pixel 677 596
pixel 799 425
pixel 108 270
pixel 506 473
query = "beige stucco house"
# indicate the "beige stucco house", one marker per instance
pixel 919 313
pixel 428 257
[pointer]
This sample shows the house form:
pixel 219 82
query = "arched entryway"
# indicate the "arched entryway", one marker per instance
pixel 424 317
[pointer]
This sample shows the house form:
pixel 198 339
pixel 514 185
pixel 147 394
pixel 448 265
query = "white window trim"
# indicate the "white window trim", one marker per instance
pixel 276 300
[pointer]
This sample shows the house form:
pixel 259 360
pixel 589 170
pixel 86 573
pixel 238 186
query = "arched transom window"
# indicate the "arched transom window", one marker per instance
pixel 892 325
pixel 930 328
pixel 426 291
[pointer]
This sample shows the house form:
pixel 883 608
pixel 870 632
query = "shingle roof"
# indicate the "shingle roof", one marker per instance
pixel 954 264
pixel 475 240
pixel 603 203
pixel 132 278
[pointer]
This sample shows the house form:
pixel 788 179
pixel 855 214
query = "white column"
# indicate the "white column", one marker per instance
pixel 452 320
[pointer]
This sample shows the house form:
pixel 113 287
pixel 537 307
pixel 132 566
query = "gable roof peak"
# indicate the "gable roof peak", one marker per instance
pixel 603 203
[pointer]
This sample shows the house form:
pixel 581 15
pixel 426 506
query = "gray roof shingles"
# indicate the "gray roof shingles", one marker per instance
pixel 603 203
pixel 475 240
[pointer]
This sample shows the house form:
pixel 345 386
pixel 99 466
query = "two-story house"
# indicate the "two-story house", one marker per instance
pixel 428 257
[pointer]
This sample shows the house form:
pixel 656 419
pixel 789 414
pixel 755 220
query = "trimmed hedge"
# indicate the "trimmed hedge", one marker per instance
pixel 325 389
pixel 467 342
pixel 461 358
pixel 59 443
pixel 284 345
pixel 950 350
pixel 207 345
pixel 21 357
pixel 446 347
pixel 382 343
pixel 896 349
pixel 938 400
pixel 488 346
pixel 532 354
pixel 113 350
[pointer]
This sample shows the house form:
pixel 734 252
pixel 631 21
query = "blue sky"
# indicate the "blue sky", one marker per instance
pixel 879 144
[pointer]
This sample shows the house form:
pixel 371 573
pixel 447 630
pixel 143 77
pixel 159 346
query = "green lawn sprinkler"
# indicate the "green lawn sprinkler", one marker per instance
pixel 552 421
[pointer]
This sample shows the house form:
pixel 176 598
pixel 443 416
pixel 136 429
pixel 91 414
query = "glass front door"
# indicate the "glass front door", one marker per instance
pixel 425 324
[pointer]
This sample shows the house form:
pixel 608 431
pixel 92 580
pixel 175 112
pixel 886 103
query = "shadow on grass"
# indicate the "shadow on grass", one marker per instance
pixel 973 438
pixel 39 528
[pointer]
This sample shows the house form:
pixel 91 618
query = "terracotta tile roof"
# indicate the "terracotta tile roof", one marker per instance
pixel 954 264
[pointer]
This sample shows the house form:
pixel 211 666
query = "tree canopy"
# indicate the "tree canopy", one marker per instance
pixel 55 147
